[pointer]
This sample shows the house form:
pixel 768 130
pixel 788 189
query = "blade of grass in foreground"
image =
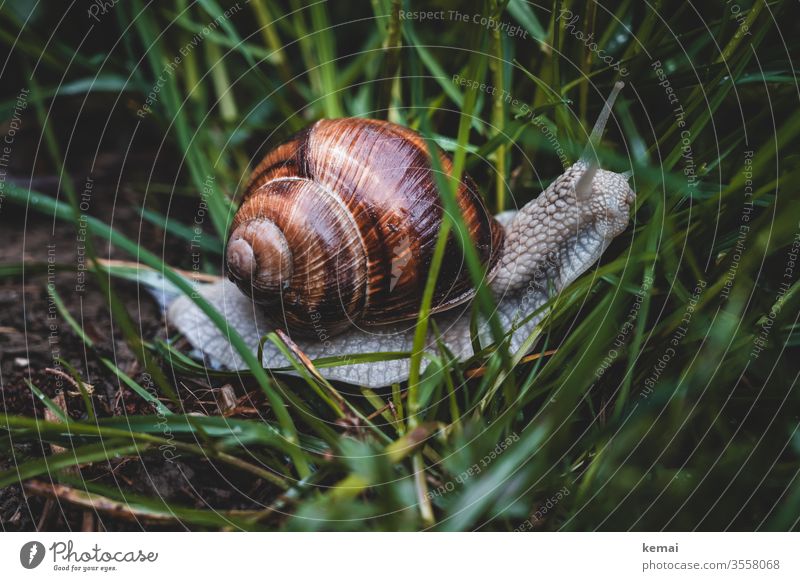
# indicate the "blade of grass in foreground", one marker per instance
pixel 420 340
pixel 134 507
pixel 49 403
pixel 119 430
pixel 497 65
pixel 105 451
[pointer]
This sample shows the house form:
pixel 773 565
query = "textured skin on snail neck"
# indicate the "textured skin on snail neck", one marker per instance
pixel 549 243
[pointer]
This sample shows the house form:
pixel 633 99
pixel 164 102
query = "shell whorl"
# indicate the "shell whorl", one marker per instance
pixel 351 214
pixel 299 222
pixel 258 255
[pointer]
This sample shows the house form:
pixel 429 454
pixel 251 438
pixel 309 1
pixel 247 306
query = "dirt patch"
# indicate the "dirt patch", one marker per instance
pixel 35 340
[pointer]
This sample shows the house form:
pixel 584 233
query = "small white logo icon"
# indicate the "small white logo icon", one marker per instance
pixel 32 554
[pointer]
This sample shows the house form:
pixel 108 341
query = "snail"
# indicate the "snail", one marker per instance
pixel 334 237
pixel 338 226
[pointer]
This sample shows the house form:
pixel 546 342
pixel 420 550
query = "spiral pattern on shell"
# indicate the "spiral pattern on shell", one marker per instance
pixel 338 226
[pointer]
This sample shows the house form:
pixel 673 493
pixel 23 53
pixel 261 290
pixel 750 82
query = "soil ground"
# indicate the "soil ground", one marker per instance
pixel 28 352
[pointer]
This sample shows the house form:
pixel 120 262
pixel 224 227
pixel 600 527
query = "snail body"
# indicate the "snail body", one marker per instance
pixel 338 226
pixel 540 250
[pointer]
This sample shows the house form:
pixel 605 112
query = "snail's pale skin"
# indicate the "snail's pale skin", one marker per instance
pixel 549 243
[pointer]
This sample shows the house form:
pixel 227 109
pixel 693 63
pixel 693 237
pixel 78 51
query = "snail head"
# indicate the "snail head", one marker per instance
pixel 603 198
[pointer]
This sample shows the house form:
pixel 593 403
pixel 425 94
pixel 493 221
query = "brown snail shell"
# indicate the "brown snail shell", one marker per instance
pixel 338 226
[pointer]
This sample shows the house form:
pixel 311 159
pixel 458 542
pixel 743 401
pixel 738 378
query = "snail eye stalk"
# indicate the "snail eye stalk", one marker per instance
pixel 589 154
